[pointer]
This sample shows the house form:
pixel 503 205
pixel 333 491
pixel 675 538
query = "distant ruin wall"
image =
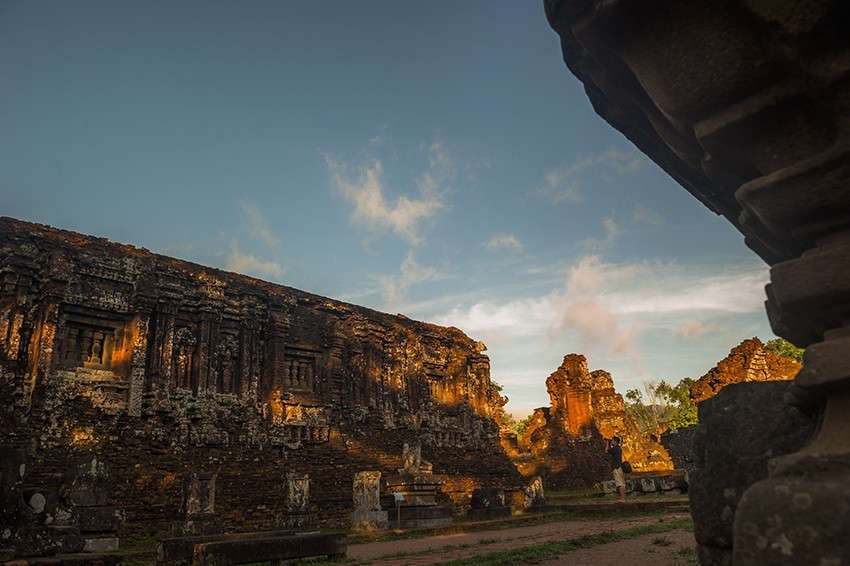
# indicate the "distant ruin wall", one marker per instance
pixel 748 361
pixel 163 368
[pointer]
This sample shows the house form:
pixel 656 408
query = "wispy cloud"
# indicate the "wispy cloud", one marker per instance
pixel 612 232
pixel 257 225
pixel 364 188
pixel 696 328
pixel 606 307
pixel 395 287
pixel 643 215
pixel 507 242
pixel 563 185
pixel 585 306
pixel 249 264
pixel 254 229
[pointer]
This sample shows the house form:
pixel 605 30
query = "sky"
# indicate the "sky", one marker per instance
pixel 432 159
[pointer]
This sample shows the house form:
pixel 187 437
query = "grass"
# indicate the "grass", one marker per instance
pixel 551 550
pixel 462 525
pixel 538 553
pixel 136 556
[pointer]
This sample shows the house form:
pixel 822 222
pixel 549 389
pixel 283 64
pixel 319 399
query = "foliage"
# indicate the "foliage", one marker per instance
pixel 522 425
pixel 782 347
pixel 661 406
pixel 684 411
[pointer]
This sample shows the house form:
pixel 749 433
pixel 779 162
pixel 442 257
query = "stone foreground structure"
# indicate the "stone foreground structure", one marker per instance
pixel 745 104
pixel 215 400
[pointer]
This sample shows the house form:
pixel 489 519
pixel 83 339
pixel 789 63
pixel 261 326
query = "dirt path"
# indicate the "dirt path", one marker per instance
pixel 661 549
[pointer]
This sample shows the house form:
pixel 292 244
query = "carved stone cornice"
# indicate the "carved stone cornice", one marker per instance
pixel 746 103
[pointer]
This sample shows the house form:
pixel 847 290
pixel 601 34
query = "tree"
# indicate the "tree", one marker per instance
pixel 648 407
pixel 522 425
pixel 782 347
pixel 684 413
pixel 661 406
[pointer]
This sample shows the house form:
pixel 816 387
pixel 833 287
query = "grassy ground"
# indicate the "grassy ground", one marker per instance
pixel 561 506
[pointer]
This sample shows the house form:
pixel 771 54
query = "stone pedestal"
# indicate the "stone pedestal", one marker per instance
pixel 198 506
pixel 89 495
pixel 367 514
pixel 488 503
pixel 296 497
pixel 418 506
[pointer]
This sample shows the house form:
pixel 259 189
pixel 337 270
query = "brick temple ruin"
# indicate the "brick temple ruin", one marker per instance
pixel 745 104
pixel 565 442
pixel 146 393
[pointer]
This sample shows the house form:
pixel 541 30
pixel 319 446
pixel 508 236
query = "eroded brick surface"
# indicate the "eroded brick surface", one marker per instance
pixel 163 369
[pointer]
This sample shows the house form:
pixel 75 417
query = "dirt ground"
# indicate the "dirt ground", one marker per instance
pixel 672 548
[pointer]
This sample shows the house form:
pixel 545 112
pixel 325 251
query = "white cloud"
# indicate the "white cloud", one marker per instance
pixel 504 242
pixel 585 306
pixel 521 317
pixel 364 188
pixel 605 307
pixel 249 264
pixel 395 287
pixel 563 185
pixel 637 320
pixel 257 225
pixel 680 292
pixel 696 328
pixel 612 232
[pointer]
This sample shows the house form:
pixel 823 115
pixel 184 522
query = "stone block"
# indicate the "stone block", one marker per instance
pixel 46 541
pixel 197 525
pixel 180 549
pixel 489 513
pixel 105 544
pixel 269 549
pixel 296 521
pixel 482 498
pixel 422 517
pixel 732 446
pixel 107 518
pixel 669 483
pixel 369 520
pixel 813 490
pixel 648 485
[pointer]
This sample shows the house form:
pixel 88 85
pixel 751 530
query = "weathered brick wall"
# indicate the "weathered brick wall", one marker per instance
pixel 162 367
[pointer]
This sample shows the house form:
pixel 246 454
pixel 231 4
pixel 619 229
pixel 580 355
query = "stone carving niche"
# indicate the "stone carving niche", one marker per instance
pixel 91 341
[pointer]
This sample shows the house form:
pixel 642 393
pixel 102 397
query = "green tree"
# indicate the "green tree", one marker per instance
pixel 684 413
pixel 661 406
pixel 783 347
pixel 522 425
pixel 648 407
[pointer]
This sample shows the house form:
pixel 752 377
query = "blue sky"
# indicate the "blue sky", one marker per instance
pixel 433 159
